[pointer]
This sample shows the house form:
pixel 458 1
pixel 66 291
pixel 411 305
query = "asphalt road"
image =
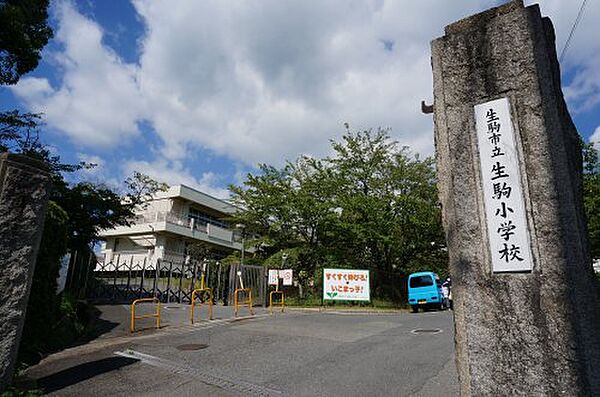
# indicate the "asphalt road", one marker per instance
pixel 295 353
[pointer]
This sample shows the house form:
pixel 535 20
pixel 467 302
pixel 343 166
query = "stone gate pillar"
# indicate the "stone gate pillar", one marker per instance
pixel 24 185
pixel 527 305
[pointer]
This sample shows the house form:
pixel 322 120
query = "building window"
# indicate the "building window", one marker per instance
pixel 202 218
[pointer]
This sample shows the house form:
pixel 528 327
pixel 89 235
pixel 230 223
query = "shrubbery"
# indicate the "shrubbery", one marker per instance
pixel 52 320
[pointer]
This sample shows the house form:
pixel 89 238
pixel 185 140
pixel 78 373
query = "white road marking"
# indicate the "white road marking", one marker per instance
pixel 240 387
pixel 426 331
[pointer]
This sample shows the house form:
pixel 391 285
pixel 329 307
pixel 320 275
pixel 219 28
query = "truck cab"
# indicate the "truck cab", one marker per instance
pixel 424 291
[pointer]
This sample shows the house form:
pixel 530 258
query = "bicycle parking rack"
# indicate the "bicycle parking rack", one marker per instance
pixel 154 315
pixel 198 293
pixel 277 303
pixel 248 301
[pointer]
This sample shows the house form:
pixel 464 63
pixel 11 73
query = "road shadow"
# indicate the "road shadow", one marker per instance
pixel 97 326
pixel 81 372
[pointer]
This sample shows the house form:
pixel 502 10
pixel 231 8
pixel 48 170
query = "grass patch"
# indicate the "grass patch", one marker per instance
pixel 13 391
pixel 309 301
pixel 376 303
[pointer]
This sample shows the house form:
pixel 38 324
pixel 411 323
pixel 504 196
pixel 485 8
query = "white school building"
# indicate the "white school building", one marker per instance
pixel 171 222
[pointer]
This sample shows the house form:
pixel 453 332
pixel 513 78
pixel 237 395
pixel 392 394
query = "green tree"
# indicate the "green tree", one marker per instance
pixel 91 208
pixel 267 213
pixel 591 195
pixel 43 305
pixel 141 188
pixel 388 200
pixel 18 131
pixel 24 31
pixel 370 205
pixel 289 208
pixel 76 214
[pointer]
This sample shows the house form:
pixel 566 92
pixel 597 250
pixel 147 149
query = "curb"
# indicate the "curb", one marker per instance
pixel 103 343
pixel 346 310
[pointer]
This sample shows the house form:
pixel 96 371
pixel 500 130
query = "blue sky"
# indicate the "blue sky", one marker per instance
pixel 199 92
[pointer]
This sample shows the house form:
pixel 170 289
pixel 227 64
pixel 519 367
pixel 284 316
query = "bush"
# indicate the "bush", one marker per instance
pixel 45 309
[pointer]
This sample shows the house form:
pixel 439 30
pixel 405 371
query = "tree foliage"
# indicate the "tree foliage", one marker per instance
pixel 591 195
pixel 76 212
pixel 76 215
pixel 389 214
pixel 141 188
pixel 43 306
pixel 18 131
pixel 91 207
pixel 24 31
pixel 371 204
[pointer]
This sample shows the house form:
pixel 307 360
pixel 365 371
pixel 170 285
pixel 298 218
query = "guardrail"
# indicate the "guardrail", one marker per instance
pixel 279 303
pixel 247 301
pixel 154 315
pixel 198 292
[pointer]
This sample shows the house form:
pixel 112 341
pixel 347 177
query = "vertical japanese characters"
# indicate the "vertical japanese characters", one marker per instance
pixel 502 188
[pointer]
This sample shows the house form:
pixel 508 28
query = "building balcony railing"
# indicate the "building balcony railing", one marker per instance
pixel 168 217
pixel 211 230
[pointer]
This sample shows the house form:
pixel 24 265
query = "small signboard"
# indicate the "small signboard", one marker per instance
pixel 346 284
pixel 502 188
pixel 63 270
pixel 273 276
pixel 286 275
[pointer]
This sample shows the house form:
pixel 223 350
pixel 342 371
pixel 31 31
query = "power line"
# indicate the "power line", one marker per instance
pixel 575 24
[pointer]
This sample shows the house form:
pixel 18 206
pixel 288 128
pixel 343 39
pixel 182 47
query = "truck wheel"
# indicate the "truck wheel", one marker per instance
pixel 414 308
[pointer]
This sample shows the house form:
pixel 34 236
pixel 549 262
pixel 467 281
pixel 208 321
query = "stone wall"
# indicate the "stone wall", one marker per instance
pixel 24 185
pixel 526 333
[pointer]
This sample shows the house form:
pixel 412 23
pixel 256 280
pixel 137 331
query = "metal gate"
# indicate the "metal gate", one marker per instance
pixel 122 281
pixel 253 277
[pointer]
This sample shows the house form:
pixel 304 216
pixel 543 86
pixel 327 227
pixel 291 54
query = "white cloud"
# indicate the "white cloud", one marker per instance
pixel 264 82
pixel 175 173
pixel 582 55
pixel 98 174
pixel 91 159
pixel 595 138
pixel 98 101
pixel 34 88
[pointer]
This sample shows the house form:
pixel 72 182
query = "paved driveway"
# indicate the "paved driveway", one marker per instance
pixel 295 353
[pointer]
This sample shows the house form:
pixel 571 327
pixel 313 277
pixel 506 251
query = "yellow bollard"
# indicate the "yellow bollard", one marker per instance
pixel 155 315
pixel 193 302
pixel 281 303
pixel 248 301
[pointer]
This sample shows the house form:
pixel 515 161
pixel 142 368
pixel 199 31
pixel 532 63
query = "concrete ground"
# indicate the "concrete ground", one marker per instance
pixel 297 353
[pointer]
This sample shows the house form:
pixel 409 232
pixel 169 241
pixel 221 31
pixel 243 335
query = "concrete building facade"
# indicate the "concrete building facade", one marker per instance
pixel 169 224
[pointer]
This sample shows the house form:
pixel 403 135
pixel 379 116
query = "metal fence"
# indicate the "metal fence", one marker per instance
pixel 253 277
pixel 387 288
pixel 121 281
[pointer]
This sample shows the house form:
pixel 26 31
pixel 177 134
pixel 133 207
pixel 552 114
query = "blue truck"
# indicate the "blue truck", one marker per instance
pixel 424 291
